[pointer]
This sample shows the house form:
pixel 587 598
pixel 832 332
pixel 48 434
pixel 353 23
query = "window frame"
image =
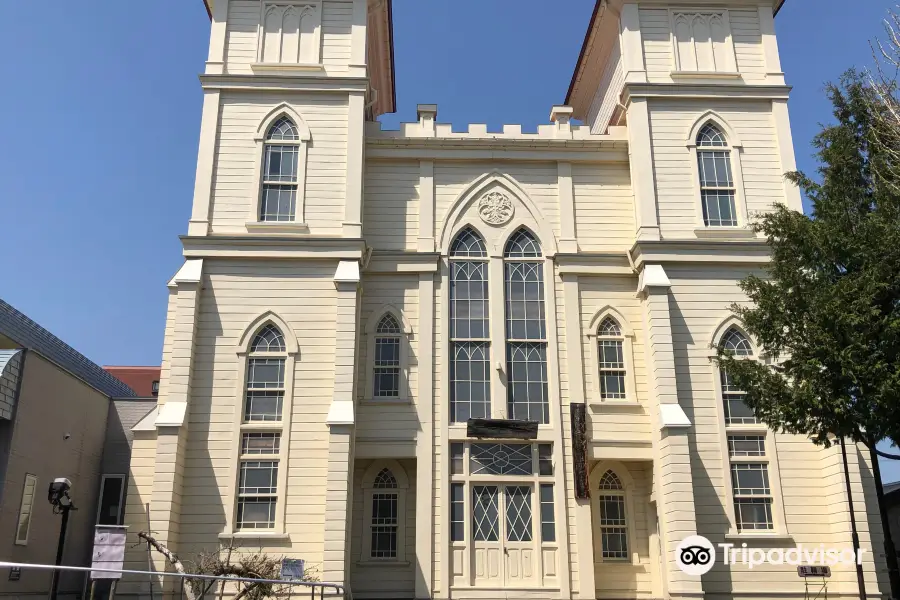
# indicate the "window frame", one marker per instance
pixel 103 479
pixel 243 355
pixel 628 337
pixel 735 150
pixel 770 459
pixel 372 335
pixel 254 222
pixel 316 43
pixel 29 477
pixel 368 493
pixel 627 492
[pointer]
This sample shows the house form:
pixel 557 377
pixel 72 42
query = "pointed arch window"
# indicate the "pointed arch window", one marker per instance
pixel 280 172
pixel 470 382
pixel 750 457
pixel 388 357
pixel 611 352
pixel 384 487
pixel 526 329
pixel 717 182
pixel 613 523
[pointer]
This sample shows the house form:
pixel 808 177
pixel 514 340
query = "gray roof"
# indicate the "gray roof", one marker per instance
pixel 28 334
pixel 891 487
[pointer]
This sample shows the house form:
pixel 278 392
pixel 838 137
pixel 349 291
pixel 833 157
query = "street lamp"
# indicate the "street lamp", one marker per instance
pixel 58 496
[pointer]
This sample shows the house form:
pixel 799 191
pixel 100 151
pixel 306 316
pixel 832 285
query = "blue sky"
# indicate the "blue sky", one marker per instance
pixel 101 112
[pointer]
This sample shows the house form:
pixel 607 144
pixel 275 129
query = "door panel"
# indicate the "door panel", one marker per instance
pixel 486 545
pixel 518 534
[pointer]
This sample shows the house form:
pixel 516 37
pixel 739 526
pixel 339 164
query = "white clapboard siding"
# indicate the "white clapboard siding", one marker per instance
pixel 659 56
pixel 242 42
pixel 238 158
pixel 394 421
pixel 670 123
pixel 617 292
pixel 700 300
pixel 382 579
pixel 604 207
pixel 748 50
pixel 391 205
pixel 236 292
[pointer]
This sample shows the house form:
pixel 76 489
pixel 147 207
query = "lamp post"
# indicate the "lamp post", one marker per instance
pixel 58 496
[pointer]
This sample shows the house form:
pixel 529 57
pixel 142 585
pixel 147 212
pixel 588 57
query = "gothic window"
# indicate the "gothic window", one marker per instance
pixel 386 362
pixel 613 524
pixel 526 330
pixel 611 353
pixel 280 172
pixel 717 186
pixel 470 384
pixel 384 493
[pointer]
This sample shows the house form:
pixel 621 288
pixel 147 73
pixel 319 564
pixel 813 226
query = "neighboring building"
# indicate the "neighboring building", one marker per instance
pixel 352 297
pixel 61 415
pixel 892 501
pixel 143 380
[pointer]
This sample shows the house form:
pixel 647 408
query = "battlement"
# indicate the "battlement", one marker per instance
pixel 558 129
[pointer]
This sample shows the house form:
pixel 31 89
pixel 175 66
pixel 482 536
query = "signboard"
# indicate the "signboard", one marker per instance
pixel 292 569
pixel 15 573
pixel 109 551
pixel 813 571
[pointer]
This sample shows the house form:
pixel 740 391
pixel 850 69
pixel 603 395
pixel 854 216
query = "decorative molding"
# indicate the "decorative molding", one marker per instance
pixel 495 208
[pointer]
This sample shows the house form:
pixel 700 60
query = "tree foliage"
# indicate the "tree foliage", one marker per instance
pixel 826 312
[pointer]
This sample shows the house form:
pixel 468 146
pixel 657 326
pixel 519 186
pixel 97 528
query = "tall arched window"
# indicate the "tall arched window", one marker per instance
pixel 386 382
pixel 747 449
pixel 717 187
pixel 526 329
pixel 384 515
pixel 257 493
pixel 280 172
pixel 613 524
pixel 611 354
pixel 470 382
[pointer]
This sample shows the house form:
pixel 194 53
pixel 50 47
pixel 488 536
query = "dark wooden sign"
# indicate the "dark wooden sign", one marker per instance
pixel 503 429
pixel 578 414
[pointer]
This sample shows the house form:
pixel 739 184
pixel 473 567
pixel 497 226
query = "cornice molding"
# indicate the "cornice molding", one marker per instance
pixel 249 246
pixel 704 90
pixel 755 252
pixel 498 149
pixel 309 82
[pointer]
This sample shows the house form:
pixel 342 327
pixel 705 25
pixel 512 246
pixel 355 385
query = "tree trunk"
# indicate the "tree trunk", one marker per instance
pixel 890 552
pixel 173 560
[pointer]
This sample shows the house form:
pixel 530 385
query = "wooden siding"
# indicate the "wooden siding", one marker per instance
pixel 671 122
pixel 656 35
pixel 238 158
pixel 241 35
pixel 604 207
pixel 391 205
pixel 386 420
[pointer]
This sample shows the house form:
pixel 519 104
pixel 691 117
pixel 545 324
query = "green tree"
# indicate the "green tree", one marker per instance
pixel 826 312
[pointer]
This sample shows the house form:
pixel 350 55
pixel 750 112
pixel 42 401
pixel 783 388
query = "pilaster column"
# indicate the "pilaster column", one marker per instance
pixel 172 420
pixel 209 125
pixel 215 63
pixel 352 226
pixel 567 242
pixel 672 478
pixel 640 161
pixel 632 45
pixel 341 421
pixel 426 205
pixel 425 467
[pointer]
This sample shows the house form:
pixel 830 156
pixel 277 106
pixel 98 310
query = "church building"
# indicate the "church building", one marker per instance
pixel 472 364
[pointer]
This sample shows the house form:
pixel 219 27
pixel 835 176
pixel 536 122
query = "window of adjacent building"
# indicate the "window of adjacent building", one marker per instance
pixel 260 450
pixel 747 448
pixel 703 42
pixel 154 388
pixel 281 152
pixel 613 524
pixel 717 187
pixel 112 493
pixel 289 32
pixel 526 330
pixel 470 352
pixel 26 508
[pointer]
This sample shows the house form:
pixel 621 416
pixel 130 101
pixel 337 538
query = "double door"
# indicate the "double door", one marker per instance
pixel 504 540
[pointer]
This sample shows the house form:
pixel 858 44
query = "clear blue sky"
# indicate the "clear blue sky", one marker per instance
pixel 100 113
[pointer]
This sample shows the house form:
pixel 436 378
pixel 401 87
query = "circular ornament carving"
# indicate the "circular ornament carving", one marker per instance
pixel 495 208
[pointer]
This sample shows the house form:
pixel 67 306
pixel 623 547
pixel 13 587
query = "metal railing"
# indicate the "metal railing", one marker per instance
pixel 317 589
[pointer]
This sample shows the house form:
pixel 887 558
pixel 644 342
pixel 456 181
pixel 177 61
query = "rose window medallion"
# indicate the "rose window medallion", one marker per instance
pixel 495 208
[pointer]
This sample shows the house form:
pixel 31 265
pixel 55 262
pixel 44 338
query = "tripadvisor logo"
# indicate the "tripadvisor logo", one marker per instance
pixel 695 555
